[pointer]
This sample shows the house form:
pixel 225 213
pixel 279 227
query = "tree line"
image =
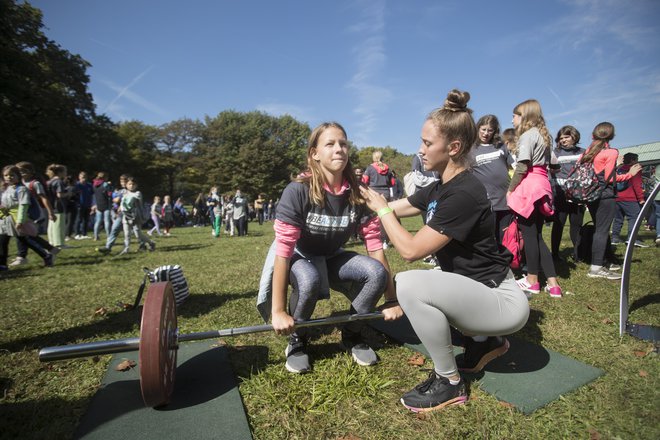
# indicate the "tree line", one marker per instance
pixel 48 116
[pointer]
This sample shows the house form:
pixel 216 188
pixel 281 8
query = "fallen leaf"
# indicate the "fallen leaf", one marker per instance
pixel 607 321
pixel 422 416
pixel 417 359
pixel 643 373
pixel 590 307
pixel 639 353
pixel 124 306
pixel 125 365
pixel 506 404
pixel 593 434
pixel 101 311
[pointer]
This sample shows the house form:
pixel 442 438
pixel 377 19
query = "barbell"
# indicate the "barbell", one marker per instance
pixel 159 340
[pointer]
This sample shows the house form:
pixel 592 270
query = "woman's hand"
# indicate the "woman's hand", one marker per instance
pixel 375 201
pixel 391 311
pixel 283 323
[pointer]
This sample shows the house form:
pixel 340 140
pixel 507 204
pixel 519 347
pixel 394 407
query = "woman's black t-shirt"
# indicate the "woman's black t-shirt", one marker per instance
pixel 460 209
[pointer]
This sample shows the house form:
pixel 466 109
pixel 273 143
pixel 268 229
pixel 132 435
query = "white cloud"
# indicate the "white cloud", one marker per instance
pixel 370 58
pixel 278 109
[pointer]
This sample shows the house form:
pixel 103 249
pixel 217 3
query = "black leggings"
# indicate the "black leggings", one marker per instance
pixel 537 254
pixel 602 213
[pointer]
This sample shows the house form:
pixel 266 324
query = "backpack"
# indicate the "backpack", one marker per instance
pixel 513 241
pixel 583 185
pixel 623 185
pixel 34 211
pixel 171 273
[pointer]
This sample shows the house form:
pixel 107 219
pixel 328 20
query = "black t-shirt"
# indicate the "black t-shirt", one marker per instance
pixel 323 230
pixel 460 209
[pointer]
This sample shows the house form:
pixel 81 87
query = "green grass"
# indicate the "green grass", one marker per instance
pixel 42 307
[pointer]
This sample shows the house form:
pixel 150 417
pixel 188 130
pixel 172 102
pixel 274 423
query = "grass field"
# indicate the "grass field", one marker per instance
pixel 79 300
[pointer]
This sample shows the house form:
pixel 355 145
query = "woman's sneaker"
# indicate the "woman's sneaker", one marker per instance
pixel 603 273
pixel 434 393
pixel 554 291
pixel 529 289
pixel 478 354
pixel 297 360
pixel 361 352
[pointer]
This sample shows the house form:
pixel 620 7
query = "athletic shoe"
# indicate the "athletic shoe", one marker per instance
pixel 103 250
pixel 55 250
pixel 478 354
pixel 361 352
pixel 604 273
pixel 49 260
pixel 297 360
pixel 616 241
pixel 641 244
pixel 152 246
pixel 385 245
pixel 434 393
pixel 614 267
pixel 18 261
pixel 529 289
pixel 555 291
pixel 657 241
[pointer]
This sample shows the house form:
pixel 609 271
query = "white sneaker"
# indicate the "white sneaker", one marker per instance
pixel 19 261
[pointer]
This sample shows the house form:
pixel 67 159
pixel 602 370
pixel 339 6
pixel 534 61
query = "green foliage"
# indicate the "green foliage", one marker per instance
pixel 397 161
pixel 46 113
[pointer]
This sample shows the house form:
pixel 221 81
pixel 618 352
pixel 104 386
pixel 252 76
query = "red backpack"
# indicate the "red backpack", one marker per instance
pixel 513 241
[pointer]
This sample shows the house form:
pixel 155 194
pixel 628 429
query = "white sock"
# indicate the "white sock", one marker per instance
pixel 453 382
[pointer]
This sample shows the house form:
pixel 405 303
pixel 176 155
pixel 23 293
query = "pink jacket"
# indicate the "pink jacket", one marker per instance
pixel 535 186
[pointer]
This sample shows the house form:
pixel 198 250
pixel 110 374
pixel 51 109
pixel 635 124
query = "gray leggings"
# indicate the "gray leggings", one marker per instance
pixel 435 300
pixel 362 279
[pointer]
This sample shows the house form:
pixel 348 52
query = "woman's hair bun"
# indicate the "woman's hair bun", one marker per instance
pixel 457 101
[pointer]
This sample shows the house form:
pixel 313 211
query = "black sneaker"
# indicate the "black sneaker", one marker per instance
pixel 103 250
pixel 361 352
pixel 297 360
pixel 434 393
pixel 478 354
pixel 49 260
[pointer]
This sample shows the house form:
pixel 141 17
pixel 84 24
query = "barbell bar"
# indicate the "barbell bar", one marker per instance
pixel 159 340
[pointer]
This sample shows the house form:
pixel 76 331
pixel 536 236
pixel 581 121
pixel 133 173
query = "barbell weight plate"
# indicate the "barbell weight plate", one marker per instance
pixel 158 345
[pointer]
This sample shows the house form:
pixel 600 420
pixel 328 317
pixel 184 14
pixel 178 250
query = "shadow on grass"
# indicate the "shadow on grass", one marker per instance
pixel 644 301
pixel 120 322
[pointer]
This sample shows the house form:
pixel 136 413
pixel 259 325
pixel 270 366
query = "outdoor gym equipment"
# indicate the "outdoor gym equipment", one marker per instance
pixel 641 331
pixel 159 340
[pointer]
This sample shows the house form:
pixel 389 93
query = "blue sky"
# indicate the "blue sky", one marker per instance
pixel 377 67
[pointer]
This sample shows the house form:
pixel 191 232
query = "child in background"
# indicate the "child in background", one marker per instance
pixel 168 214
pixel 56 191
pixel 567 153
pixel 132 210
pixel 530 195
pixel 14 206
pixel 491 162
pixel 509 139
pixel 156 215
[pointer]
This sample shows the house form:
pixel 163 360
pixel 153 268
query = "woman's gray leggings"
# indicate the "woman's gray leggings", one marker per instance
pixel 362 279
pixel 434 300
